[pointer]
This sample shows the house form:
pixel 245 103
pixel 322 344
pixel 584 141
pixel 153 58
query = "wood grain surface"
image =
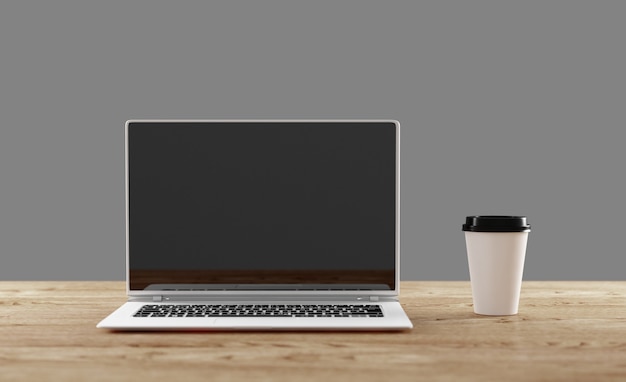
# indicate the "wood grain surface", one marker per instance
pixel 565 331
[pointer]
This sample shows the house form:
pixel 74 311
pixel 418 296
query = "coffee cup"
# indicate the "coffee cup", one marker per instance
pixel 496 250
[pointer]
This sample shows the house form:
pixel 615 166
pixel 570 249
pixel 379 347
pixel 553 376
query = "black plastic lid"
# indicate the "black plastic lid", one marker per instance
pixel 492 223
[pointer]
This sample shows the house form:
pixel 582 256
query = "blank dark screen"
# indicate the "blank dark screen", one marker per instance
pixel 268 203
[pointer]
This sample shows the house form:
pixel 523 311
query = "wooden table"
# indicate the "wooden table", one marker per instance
pixel 565 331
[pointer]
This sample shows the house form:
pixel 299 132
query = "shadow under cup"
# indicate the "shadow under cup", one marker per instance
pixel 496 250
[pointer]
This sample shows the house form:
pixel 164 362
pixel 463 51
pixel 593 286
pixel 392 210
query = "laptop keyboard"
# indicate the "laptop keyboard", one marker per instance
pixel 259 311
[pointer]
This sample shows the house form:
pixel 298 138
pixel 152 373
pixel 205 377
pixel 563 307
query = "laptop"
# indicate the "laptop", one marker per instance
pixel 262 225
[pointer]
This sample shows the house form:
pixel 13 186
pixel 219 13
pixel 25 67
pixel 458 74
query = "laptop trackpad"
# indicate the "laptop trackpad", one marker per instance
pixel 238 322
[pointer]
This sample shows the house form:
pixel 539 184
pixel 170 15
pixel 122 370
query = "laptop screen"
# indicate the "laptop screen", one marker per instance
pixel 262 205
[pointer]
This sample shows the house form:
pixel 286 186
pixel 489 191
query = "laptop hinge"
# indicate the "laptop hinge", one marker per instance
pixel 157 298
pixel 373 298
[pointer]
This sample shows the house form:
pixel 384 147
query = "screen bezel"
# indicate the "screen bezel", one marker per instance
pixel 252 293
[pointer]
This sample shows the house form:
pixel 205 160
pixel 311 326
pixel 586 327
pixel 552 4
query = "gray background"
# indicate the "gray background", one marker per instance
pixel 506 108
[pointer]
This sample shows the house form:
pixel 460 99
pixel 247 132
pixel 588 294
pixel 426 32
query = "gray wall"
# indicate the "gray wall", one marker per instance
pixel 507 108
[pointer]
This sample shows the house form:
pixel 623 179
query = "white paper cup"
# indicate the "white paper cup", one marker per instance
pixel 496 250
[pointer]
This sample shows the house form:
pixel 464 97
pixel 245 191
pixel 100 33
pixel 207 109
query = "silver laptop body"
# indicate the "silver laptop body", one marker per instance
pixel 262 225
